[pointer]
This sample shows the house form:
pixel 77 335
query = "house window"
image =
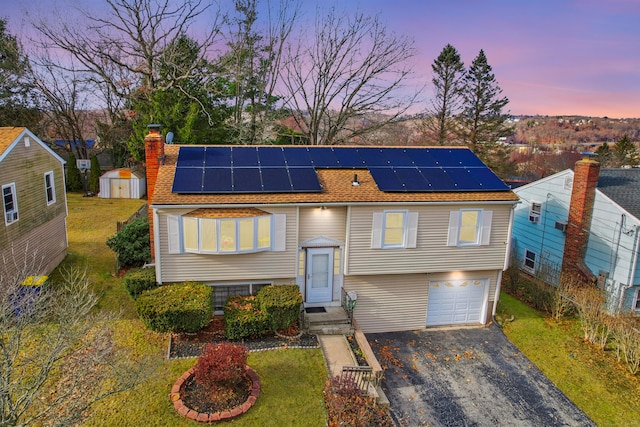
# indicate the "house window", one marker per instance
pixel 534 212
pixel 529 263
pixel 222 292
pixel 394 229
pixel 469 227
pixel 225 235
pixel 10 203
pixel 636 304
pixel 49 188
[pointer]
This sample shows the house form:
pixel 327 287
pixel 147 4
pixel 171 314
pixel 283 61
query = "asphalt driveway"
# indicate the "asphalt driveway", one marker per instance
pixel 467 377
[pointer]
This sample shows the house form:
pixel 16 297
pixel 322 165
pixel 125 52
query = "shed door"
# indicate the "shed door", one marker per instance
pixel 120 188
pixel 456 302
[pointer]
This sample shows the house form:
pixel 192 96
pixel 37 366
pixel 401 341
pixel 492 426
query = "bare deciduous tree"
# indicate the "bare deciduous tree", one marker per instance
pixel 57 356
pixel 350 70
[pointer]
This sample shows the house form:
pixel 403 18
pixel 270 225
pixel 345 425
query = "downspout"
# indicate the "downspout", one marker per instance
pixel 507 257
pixel 632 272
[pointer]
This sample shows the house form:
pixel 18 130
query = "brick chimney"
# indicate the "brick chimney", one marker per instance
pixel 154 157
pixel 585 178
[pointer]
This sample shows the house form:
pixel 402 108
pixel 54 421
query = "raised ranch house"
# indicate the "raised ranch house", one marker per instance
pixel 584 222
pixel 419 234
pixel 33 200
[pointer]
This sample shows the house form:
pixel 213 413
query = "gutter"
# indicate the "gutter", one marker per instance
pixel 507 257
pixel 334 204
pixel 632 271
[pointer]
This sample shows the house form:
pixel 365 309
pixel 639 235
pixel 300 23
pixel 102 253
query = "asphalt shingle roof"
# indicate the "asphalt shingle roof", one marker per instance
pixel 336 188
pixel 8 135
pixel 623 187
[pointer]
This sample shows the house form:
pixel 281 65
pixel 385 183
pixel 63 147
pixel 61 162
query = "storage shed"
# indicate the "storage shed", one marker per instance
pixel 122 184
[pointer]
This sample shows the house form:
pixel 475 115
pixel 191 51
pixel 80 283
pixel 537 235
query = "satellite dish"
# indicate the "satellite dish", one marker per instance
pixel 169 138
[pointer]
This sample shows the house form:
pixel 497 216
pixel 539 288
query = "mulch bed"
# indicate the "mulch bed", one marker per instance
pixel 190 345
pixel 198 397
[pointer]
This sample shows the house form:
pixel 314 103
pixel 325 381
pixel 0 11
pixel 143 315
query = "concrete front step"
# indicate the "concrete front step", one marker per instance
pixel 331 329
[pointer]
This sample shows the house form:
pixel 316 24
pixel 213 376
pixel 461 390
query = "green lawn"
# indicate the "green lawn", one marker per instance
pixel 591 378
pixel 291 380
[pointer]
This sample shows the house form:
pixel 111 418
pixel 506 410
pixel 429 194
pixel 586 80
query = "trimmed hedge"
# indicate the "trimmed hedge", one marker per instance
pixel 138 280
pixel 184 307
pixel 244 318
pixel 281 304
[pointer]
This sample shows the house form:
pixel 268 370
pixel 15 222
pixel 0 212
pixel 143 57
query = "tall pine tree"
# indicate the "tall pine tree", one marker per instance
pixel 483 122
pixel 626 152
pixel 448 75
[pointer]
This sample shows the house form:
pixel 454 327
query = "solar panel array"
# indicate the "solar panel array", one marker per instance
pixel 290 169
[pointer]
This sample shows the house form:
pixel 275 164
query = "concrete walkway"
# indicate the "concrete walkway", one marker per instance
pixel 337 353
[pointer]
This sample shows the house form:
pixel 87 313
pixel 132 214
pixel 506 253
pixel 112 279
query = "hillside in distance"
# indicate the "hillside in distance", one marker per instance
pixel 564 132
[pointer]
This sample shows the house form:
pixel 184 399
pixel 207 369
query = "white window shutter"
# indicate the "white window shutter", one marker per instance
pixel 173 234
pixel 376 231
pixel 412 230
pixel 454 219
pixel 280 233
pixel 486 227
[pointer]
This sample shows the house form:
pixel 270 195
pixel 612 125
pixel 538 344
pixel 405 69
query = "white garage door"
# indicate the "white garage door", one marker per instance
pixel 454 302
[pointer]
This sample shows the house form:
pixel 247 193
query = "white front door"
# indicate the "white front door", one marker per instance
pixel 319 274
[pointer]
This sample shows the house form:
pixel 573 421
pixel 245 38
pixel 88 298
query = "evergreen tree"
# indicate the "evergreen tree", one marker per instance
pixel 482 120
pixel 625 152
pixel 448 74
pixel 94 175
pixel 74 178
pixel 604 155
pixel 17 102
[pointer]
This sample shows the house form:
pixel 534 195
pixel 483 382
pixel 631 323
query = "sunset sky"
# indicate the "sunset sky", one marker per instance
pixel 550 57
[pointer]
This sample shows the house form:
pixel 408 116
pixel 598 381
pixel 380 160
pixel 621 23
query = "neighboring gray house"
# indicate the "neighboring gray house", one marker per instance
pixel 34 202
pixel 420 234
pixel 597 211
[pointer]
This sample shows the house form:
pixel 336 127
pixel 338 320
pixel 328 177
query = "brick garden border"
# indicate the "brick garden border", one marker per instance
pixel 185 411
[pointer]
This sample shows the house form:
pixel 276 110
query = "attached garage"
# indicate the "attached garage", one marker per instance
pixel 454 302
pixel 122 184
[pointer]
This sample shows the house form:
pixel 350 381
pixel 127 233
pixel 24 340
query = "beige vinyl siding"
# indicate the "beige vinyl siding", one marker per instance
pixel 46 244
pixel 431 253
pixel 389 302
pixel 41 226
pixel 316 222
pixel 399 302
pixel 262 266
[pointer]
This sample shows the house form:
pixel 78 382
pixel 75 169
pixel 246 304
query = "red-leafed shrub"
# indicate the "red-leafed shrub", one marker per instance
pixel 221 364
pixel 348 405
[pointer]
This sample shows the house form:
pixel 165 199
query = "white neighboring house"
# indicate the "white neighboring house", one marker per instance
pixel 587 222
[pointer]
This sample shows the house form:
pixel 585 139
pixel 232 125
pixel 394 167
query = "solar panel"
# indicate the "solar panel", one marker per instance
pixel 271 156
pixel 438 179
pixel 190 157
pixel 323 157
pixel 304 180
pixel 372 157
pixel 217 180
pixel 216 156
pixel 246 180
pixel 297 156
pixel 244 156
pixel 187 180
pixel 386 179
pixel 422 158
pixel 411 179
pixel 348 158
pixel 488 179
pixel 275 180
pixel 245 169
pixel 397 157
